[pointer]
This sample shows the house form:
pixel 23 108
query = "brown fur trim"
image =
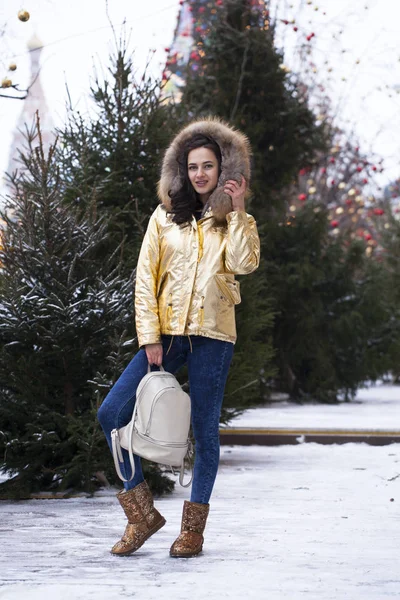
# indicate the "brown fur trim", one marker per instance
pixel 235 150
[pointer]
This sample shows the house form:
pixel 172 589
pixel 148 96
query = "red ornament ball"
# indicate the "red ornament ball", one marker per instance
pixel 302 197
pixel 334 223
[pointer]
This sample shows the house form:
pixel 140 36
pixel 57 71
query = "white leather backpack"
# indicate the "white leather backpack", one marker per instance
pixel 159 428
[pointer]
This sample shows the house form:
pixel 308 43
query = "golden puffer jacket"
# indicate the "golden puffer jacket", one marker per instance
pixel 185 282
pixel 185 277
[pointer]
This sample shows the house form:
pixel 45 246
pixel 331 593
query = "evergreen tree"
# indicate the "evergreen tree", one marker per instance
pixel 239 77
pixel 115 152
pixel 66 333
pixel 334 314
pixel 388 261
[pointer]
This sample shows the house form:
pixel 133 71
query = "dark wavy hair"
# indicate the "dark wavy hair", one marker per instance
pixel 186 201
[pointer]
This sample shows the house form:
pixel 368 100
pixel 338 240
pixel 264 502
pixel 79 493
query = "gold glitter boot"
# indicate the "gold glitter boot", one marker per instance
pixel 190 540
pixel 143 519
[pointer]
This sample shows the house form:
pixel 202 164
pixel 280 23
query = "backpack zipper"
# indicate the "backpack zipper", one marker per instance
pixel 159 442
pixel 139 396
pixel 155 400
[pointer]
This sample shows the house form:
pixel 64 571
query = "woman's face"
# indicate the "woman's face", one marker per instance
pixel 203 171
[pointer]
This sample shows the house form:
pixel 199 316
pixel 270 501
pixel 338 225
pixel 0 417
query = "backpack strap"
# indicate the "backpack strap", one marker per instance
pixel 182 470
pixel 160 367
pixel 117 450
pixel 117 453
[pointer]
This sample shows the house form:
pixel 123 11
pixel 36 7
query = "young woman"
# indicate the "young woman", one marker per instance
pixel 197 240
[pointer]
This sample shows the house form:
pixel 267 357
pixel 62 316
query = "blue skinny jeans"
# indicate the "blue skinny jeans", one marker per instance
pixel 208 362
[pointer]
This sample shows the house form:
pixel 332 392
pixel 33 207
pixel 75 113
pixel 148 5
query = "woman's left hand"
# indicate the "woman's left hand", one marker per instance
pixel 236 192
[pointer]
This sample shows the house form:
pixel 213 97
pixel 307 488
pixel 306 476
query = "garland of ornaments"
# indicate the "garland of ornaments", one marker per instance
pixel 343 180
pixel 24 16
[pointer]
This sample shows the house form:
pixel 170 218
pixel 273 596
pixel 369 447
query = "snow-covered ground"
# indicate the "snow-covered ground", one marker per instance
pixel 374 408
pixel 286 522
pixel 308 521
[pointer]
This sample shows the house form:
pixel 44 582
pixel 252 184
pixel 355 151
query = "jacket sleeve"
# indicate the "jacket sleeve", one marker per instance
pixel 242 252
pixel 146 304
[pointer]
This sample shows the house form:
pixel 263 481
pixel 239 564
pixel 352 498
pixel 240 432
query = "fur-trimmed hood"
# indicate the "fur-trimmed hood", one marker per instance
pixel 235 151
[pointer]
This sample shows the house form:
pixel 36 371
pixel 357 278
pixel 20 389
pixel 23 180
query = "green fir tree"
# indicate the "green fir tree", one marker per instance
pixel 332 307
pixel 66 333
pixel 114 154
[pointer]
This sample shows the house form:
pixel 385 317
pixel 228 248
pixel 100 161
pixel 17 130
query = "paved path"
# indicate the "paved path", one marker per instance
pixel 286 522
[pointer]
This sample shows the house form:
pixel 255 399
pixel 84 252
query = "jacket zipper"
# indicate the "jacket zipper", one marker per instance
pixel 201 242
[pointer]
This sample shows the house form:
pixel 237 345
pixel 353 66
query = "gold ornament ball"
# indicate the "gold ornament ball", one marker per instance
pixel 12 67
pixel 23 16
pixel 6 83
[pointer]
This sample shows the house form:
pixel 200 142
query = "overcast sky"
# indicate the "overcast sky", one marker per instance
pixel 77 35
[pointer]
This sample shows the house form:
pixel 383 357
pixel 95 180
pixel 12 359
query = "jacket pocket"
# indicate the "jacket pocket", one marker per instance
pixel 229 288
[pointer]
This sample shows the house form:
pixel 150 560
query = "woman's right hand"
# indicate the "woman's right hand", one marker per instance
pixel 154 353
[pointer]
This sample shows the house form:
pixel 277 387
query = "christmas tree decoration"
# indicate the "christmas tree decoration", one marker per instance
pixel 23 16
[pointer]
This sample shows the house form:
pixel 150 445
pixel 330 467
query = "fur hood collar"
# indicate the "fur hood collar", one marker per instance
pixel 235 151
